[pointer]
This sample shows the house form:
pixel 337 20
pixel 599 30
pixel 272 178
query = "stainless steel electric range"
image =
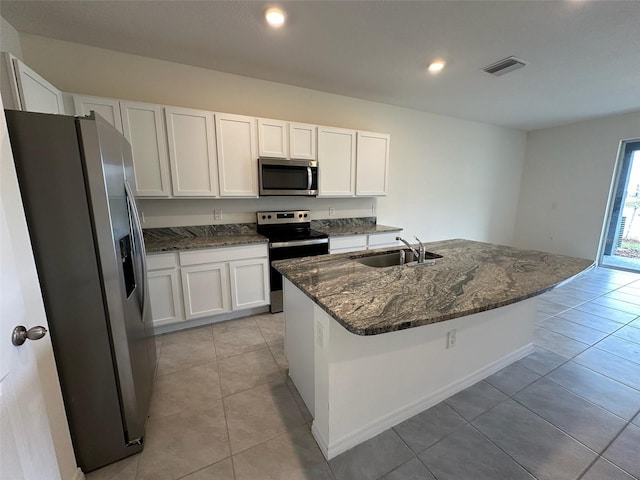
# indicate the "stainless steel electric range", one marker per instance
pixel 290 236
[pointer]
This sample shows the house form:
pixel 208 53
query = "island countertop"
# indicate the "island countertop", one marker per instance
pixel 471 277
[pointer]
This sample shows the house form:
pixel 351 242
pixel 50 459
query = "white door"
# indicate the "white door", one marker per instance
pixel 237 155
pixel 249 283
pixel 25 434
pixel 372 164
pixel 107 108
pixel 164 293
pixel 336 162
pixel 272 138
pixel 143 127
pixel 206 290
pixel 36 94
pixel 302 141
pixel 192 152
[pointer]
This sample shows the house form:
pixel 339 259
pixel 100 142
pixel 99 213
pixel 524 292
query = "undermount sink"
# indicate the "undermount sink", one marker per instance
pixel 390 259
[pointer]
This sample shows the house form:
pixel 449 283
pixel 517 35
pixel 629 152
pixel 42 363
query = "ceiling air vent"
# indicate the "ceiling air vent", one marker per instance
pixel 504 66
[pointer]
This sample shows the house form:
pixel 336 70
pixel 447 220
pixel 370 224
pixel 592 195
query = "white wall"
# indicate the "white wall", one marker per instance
pixel 448 177
pixel 9 39
pixel 566 182
pixel 9 42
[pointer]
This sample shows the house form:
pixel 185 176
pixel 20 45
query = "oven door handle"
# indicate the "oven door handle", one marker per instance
pixel 298 243
pixel 309 178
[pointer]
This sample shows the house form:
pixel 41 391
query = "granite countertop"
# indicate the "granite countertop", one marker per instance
pixel 471 277
pixel 351 226
pixel 157 240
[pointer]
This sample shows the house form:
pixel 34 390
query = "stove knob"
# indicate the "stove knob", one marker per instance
pixel 299 215
pixel 263 217
pixel 269 217
pixel 306 215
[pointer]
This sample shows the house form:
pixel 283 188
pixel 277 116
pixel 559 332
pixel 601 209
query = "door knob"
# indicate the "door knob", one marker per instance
pixel 21 334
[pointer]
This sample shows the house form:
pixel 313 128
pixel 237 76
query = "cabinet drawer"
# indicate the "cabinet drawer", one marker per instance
pixel 350 242
pixel 377 240
pixel 223 254
pixel 158 261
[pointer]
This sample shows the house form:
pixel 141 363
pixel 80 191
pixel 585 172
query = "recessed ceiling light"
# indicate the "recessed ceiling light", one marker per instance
pixel 436 66
pixel 275 17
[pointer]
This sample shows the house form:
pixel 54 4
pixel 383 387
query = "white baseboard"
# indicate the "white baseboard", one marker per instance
pixel 320 440
pixel 198 322
pixel 409 410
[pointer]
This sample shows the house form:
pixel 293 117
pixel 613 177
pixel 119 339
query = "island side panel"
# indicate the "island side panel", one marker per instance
pixel 371 383
pixel 299 342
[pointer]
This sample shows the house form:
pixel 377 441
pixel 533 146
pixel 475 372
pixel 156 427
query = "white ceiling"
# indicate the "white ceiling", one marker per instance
pixel 583 56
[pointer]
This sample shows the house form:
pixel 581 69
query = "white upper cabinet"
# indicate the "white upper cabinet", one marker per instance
pixel 336 162
pixel 192 152
pixel 372 164
pixel 302 141
pixel 143 126
pixel 107 108
pixel 272 138
pixel 35 94
pixel 237 155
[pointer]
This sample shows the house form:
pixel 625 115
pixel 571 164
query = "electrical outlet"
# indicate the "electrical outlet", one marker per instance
pixel 142 216
pixel 451 338
pixel 217 214
pixel 373 209
pixel 332 211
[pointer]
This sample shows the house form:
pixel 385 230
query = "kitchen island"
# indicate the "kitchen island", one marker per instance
pixel 370 347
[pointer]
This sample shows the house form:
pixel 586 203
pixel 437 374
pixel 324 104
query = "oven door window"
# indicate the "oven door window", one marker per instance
pixel 279 177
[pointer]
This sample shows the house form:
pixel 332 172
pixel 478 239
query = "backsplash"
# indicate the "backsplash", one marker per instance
pixel 329 223
pixel 158 213
pixel 201 230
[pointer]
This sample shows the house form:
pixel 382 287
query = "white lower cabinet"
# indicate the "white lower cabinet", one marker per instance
pixel 382 240
pixel 355 243
pixel 164 289
pixel 206 290
pixel 249 283
pixel 347 243
pixel 203 283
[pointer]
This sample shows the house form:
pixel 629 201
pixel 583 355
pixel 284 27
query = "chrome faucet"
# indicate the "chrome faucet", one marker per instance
pixel 419 254
pixel 415 252
pixel 422 252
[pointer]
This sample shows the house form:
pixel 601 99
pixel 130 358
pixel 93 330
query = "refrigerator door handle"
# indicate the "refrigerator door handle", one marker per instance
pixel 137 231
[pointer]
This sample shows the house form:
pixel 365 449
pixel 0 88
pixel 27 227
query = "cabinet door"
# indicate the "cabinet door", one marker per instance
pixel 249 283
pixel 192 152
pixel 206 290
pixel 336 162
pixel 272 138
pixel 164 296
pixel 143 127
pixel 237 155
pixel 381 240
pixel 107 108
pixel 372 164
pixel 302 141
pixel 347 243
pixel 36 94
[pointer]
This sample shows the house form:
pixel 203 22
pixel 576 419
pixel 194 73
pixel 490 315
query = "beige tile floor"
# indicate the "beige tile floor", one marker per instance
pixel 223 409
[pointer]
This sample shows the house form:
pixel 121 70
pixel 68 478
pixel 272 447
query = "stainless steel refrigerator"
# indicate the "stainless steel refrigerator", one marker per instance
pixel 76 181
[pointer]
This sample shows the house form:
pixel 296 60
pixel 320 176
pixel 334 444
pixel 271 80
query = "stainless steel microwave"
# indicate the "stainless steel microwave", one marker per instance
pixel 288 177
